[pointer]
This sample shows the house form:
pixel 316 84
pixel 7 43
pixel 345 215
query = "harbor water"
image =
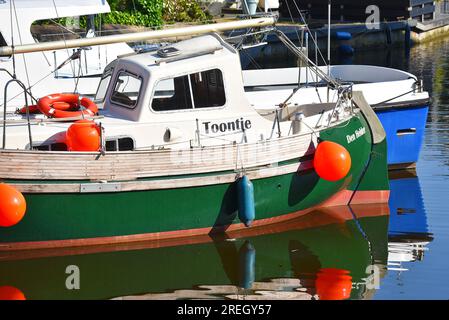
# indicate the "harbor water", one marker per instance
pixel 399 251
pixel 426 279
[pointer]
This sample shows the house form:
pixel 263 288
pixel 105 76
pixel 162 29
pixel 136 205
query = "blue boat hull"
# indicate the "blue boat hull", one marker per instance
pixel 405 128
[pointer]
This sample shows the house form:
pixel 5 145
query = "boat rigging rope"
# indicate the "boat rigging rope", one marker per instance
pixel 65 28
pixel 65 43
pixel 21 43
pixel 301 42
pixel 331 82
pixel 40 80
pixel 363 233
pixel 315 41
pixel 12 41
pixel 251 59
pixel 388 100
pixel 293 21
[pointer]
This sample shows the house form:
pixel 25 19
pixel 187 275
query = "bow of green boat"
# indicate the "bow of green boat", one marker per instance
pixel 177 151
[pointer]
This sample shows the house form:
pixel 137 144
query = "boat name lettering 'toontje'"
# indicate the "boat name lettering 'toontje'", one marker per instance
pixel 357 134
pixel 239 124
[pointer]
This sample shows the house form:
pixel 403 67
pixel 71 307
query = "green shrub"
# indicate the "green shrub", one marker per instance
pixel 146 13
pixel 184 11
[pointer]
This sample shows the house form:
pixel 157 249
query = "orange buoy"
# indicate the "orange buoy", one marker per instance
pixel 333 284
pixel 83 135
pixel 11 293
pixel 332 161
pixel 12 205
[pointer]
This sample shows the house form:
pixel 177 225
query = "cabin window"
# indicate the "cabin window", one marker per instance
pixel 172 94
pixel 126 90
pixel 206 88
pixel 120 144
pixel 59 146
pixel 102 88
pixel 2 41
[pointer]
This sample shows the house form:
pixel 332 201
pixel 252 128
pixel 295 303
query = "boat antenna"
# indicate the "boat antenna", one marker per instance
pixel 300 41
pixel 20 40
pixel 329 12
pixel 314 39
pixel 12 42
pixel 73 57
pixel 65 43
pixel 293 21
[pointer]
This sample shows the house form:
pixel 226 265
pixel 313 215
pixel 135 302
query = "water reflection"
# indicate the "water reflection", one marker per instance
pixel 323 253
pixel 408 232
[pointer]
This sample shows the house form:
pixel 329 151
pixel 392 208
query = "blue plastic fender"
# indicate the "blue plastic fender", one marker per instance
pixel 343 35
pixel 246 205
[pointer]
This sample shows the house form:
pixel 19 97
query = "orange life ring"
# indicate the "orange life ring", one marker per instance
pixel 64 106
pixel 60 105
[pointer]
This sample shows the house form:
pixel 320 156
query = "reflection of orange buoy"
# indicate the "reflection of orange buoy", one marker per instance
pixel 333 284
pixel 332 161
pixel 11 293
pixel 12 206
pixel 83 135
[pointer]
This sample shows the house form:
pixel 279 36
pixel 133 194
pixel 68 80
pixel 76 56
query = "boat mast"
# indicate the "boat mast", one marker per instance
pixel 329 8
pixel 138 36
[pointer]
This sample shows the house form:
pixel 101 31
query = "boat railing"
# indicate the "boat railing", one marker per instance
pixel 303 56
pixel 344 94
pixel 13 76
pixel 344 89
pixel 27 108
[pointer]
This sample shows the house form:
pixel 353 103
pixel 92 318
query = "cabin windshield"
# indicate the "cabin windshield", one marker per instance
pixel 2 40
pixel 102 89
pixel 197 90
pixel 127 89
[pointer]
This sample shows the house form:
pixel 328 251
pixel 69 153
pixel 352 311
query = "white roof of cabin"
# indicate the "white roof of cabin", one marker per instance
pixel 190 48
pixel 29 11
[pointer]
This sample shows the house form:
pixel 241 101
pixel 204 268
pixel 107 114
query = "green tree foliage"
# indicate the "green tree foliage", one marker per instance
pixel 135 12
pixel 148 13
pixel 183 11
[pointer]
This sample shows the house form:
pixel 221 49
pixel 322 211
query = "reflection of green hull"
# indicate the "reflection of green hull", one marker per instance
pixel 67 216
pixel 293 253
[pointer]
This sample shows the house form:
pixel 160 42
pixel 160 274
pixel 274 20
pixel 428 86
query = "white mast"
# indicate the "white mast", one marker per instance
pixel 328 36
pixel 138 36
